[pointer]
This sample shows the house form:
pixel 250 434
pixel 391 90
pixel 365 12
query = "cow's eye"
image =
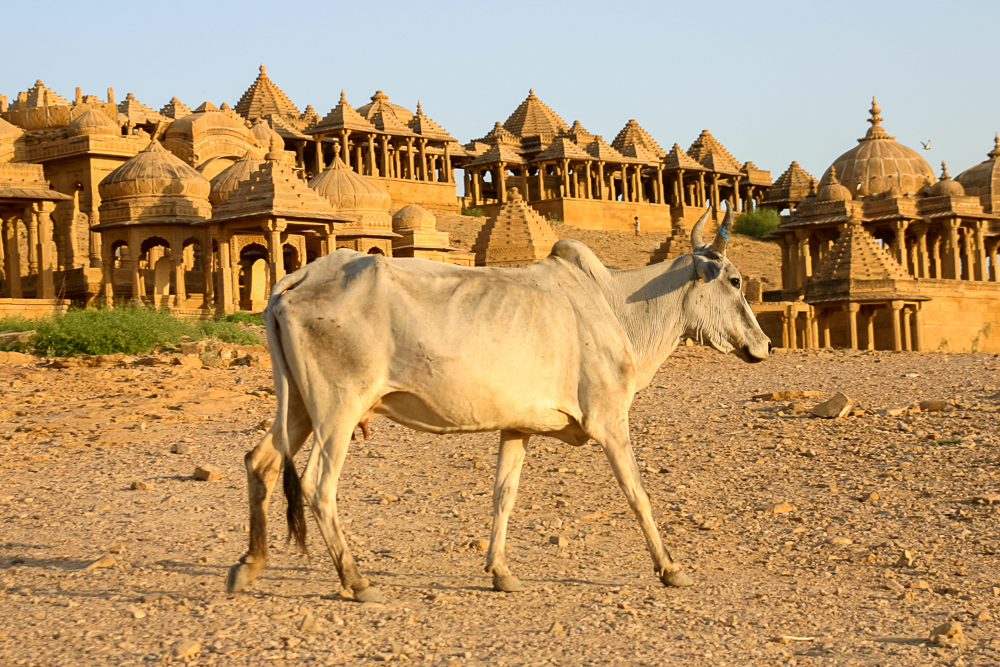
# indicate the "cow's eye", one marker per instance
pixel 735 282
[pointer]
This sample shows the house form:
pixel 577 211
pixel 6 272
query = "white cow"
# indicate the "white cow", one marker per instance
pixel 558 348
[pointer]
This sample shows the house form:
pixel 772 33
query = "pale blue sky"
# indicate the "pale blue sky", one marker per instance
pixel 773 81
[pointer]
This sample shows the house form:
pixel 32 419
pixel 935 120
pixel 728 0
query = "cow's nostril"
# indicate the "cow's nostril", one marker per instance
pixel 769 347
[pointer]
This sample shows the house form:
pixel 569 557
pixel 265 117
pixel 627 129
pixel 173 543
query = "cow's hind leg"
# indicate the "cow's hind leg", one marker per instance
pixel 618 449
pixel 509 460
pixel 319 487
pixel 263 464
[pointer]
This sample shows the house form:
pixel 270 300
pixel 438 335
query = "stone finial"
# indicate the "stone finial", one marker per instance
pixel 343 97
pixel 944 171
pixel 263 69
pixel 111 95
pixel 225 106
pixel 38 83
pixel 515 195
pixel 379 96
pixel 79 96
pixel 420 108
pixel 876 131
pixel 833 176
pixel 995 153
pixel 531 93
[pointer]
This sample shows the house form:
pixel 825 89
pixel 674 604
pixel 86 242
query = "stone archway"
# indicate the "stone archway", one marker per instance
pixel 254 285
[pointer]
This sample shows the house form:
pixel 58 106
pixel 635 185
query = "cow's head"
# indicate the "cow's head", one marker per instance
pixel 718 313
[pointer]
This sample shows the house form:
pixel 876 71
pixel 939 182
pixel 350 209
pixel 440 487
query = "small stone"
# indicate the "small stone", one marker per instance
pixel 933 406
pixel 140 485
pixel 908 595
pixel 103 561
pixel 138 613
pixel 891 412
pixel 948 634
pixel 835 408
pixel 560 504
pixel 207 473
pixel 906 559
pixel 786 395
pixel 893 585
pixel 372 605
pixel 117 549
pixel 590 516
pixel 558 540
pixel 781 508
pixel 480 545
pixel 556 628
pixel 986 500
pixel 308 623
pixel 839 541
pixel 984 616
pixel 920 585
pixel 180 448
pixel 185 648
pixel 871 497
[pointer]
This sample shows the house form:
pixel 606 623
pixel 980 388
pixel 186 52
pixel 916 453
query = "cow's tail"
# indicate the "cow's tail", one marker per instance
pixel 295 512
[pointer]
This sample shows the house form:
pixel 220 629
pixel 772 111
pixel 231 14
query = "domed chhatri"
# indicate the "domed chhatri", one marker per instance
pixel 92 122
pixel 946 186
pixel 983 179
pixel 351 192
pixel 878 164
pixel 262 132
pixel 155 171
pixel 833 191
pixel 230 178
pixel 414 217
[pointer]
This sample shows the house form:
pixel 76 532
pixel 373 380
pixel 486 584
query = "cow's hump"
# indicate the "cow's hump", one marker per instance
pixel 580 256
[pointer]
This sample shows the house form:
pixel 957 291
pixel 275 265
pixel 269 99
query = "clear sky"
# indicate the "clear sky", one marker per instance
pixel 774 81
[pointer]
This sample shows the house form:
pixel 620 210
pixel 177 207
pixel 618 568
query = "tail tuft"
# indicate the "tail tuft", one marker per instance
pixel 295 513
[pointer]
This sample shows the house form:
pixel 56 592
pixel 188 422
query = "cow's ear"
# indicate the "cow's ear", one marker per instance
pixel 708 269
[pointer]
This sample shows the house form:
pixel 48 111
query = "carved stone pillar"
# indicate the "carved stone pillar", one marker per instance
pixel 275 250
pixel 600 180
pixel 319 155
pixel 921 267
pixel 660 195
pixel 899 244
pixel 449 172
pixel 108 278
pixel 424 176
pixel 979 240
pixel 45 287
pixel 180 289
pixel 502 183
pixel 897 316
pixel 954 269
pixel 410 158
pixel 31 218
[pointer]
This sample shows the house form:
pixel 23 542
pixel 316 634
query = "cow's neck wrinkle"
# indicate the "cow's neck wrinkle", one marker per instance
pixel 648 302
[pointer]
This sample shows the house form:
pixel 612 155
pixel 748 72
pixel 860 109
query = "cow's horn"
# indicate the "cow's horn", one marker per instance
pixel 699 227
pixel 725 229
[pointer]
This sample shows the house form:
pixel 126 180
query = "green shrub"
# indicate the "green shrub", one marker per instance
pixel 758 223
pixel 245 318
pixel 227 332
pixel 553 217
pixel 127 330
pixel 100 331
pixel 474 212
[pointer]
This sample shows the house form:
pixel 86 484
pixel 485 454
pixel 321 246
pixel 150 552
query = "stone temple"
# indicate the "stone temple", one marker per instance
pixel 881 254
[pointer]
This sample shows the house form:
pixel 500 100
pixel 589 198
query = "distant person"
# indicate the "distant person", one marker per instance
pixel 637 226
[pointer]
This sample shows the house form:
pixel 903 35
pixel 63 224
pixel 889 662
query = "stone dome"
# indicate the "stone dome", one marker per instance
pixel 380 103
pixel 262 132
pixel 349 191
pixel 92 122
pixel 226 181
pixel 414 217
pixel 878 164
pixel 833 191
pixel 154 171
pixel 946 186
pixel 983 179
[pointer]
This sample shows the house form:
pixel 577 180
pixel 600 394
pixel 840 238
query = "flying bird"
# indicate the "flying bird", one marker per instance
pixel 926 144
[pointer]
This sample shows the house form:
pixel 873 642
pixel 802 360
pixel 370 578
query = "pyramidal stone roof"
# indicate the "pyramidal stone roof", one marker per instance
pixel 264 98
pixel 533 117
pixel 678 159
pixel 275 189
pixel 342 117
pixel 39 95
pixel 713 155
pixel 497 153
pixel 426 127
pixel 634 141
pixel 856 255
pixel 175 109
pixel 599 149
pixel 517 235
pixel 793 185
pixel 137 111
pixel 563 148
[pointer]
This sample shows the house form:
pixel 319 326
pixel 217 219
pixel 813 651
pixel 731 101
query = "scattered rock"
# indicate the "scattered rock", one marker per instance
pixel 138 614
pixel 117 549
pixel 308 623
pixel 871 497
pixel 948 634
pixel 986 500
pixel 836 407
pixel 103 561
pixel 195 348
pixel 840 541
pixel 906 559
pixel 891 412
pixel 480 545
pixel 207 473
pixel 787 395
pixel 558 540
pixel 933 406
pixel 8 338
pixel 919 585
pixel 556 629
pixel 781 508
pixel 893 585
pixel 180 448
pixel 185 648
pixel 140 485
pixel 984 616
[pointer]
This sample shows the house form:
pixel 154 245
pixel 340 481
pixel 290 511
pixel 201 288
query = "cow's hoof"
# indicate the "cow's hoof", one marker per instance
pixel 676 579
pixel 240 576
pixel 507 584
pixel 369 594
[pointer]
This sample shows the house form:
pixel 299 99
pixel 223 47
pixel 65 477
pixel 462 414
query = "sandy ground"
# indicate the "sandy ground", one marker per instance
pixel 770 511
pixel 623 250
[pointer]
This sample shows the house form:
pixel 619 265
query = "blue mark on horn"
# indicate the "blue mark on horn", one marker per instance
pixel 725 233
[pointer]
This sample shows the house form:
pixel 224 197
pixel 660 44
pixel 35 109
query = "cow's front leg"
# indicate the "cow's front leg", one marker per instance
pixel 263 464
pixel 618 449
pixel 509 460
